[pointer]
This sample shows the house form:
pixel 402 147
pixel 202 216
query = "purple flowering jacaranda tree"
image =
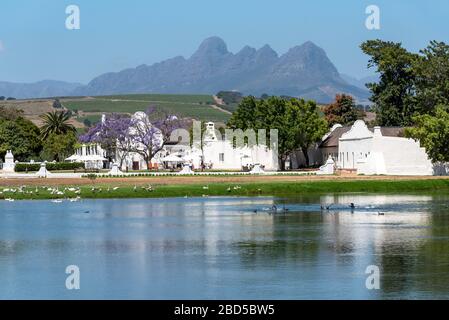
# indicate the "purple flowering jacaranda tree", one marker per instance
pixel 112 133
pixel 120 135
pixel 150 136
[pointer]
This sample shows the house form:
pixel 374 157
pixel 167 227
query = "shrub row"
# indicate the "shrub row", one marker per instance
pixel 51 166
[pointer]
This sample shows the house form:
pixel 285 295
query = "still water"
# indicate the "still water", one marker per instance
pixel 227 248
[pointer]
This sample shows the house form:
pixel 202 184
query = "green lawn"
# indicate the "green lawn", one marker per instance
pixel 280 189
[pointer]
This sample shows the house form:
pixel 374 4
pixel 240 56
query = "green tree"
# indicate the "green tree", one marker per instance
pixel 57 104
pixel 59 146
pixel 21 136
pixel 308 127
pixel 245 117
pixel 298 122
pixel 432 77
pixel 87 122
pixel 393 96
pixel 230 97
pixel 432 131
pixel 56 123
pixel 342 111
pixel 272 113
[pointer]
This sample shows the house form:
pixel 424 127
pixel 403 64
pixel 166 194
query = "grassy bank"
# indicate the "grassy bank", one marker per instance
pixel 281 189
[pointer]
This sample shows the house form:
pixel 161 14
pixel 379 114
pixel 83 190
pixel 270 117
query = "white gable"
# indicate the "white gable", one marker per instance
pixel 359 130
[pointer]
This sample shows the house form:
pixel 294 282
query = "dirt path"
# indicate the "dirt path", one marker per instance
pixel 220 109
pixel 218 102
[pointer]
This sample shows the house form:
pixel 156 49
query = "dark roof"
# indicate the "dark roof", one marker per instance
pixel 391 131
pixel 333 139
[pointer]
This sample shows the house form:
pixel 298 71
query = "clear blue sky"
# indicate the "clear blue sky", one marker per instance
pixel 117 34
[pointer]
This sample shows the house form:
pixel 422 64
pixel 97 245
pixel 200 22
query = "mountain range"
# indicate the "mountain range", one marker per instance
pixel 41 89
pixel 360 82
pixel 303 71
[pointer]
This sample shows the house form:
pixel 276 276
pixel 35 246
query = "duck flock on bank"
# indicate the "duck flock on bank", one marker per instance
pixel 71 194
pixel 58 194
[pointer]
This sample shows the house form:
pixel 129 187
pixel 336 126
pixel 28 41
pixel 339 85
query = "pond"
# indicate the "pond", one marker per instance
pixel 227 248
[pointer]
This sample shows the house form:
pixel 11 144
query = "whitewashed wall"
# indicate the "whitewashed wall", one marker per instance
pixel 354 145
pixel 224 156
pixel 397 156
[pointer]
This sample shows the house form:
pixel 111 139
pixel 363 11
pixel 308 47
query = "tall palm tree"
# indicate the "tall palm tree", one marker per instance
pixel 56 122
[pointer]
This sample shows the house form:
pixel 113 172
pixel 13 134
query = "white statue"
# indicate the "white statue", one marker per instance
pixel 328 168
pixel 257 169
pixel 186 169
pixel 9 164
pixel 115 171
pixel 43 172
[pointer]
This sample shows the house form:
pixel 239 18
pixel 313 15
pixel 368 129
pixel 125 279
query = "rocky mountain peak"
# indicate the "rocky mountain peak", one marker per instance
pixel 213 46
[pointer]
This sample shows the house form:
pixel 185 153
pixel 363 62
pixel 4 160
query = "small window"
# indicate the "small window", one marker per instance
pixel 221 157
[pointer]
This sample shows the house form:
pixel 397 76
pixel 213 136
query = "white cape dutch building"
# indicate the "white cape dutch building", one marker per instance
pixel 377 151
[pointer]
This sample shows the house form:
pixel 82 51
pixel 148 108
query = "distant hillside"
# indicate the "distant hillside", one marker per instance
pixel 304 71
pixel 200 107
pixel 88 110
pixel 41 89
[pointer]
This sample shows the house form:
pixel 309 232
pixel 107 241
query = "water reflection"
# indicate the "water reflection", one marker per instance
pixel 228 248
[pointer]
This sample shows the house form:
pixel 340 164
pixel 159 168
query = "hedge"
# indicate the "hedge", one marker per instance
pixel 51 166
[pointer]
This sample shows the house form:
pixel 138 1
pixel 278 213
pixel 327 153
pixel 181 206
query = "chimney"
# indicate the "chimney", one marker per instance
pixel 377 131
pixel 210 132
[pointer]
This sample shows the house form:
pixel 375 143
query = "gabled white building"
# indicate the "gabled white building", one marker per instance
pixel 376 151
pixel 221 154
